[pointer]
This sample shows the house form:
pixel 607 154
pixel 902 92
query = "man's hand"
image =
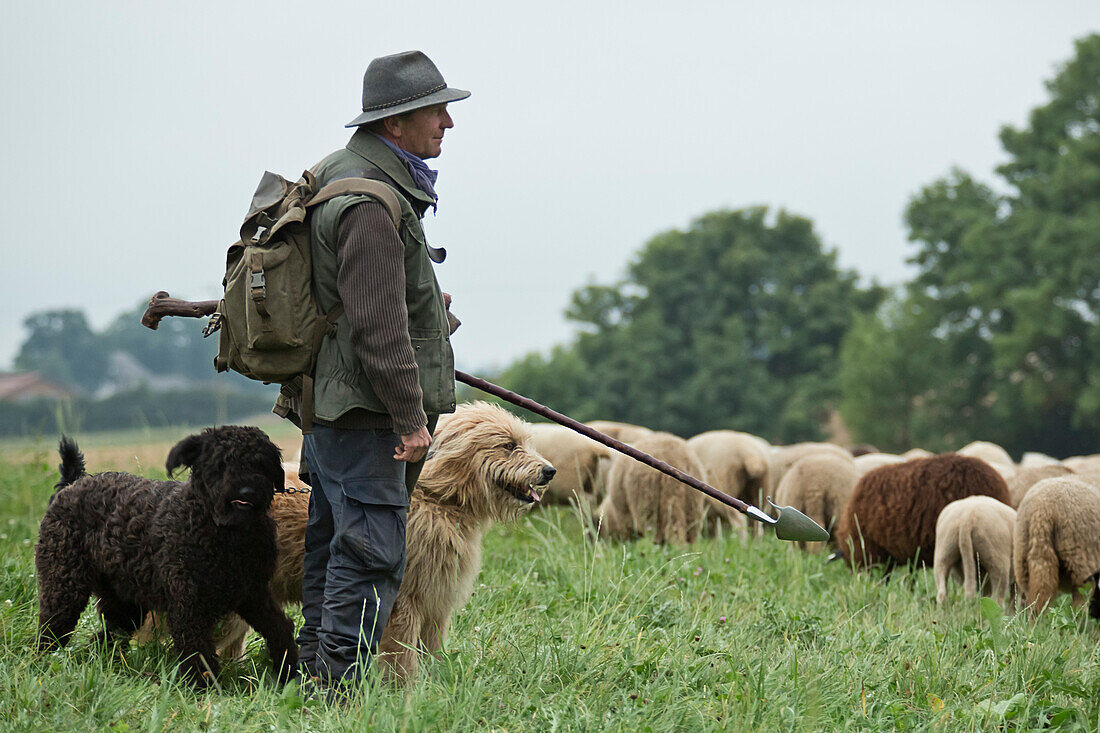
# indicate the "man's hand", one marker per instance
pixel 414 446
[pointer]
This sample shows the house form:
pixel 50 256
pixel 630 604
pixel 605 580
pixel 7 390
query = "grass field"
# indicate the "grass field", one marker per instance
pixel 564 635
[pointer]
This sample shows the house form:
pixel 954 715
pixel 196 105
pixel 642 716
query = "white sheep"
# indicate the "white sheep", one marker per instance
pixel 737 464
pixel 871 461
pixel 972 533
pixel 1034 459
pixel 1026 478
pixel 818 485
pixel 993 454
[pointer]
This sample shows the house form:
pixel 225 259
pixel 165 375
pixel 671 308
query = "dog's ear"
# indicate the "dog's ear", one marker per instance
pixel 185 453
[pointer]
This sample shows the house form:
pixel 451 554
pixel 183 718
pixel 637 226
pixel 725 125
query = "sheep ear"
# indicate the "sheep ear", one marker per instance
pixel 185 453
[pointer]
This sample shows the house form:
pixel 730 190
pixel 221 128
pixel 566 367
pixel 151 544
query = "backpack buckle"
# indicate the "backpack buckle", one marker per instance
pixel 259 235
pixel 257 281
pixel 213 324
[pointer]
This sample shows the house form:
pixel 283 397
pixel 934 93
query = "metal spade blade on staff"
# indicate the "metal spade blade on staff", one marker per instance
pixel 791 524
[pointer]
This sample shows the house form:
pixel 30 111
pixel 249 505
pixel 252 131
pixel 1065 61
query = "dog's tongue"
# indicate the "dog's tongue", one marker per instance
pixel 533 495
pixel 242 503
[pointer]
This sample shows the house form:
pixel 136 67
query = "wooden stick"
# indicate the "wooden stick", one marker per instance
pixel 161 305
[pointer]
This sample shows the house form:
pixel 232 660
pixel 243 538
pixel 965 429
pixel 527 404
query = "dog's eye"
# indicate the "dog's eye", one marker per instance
pixel 510 445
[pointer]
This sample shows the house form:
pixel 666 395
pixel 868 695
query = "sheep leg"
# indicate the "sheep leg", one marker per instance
pixel 945 561
pixel 673 516
pixel 1043 585
pixel 969 563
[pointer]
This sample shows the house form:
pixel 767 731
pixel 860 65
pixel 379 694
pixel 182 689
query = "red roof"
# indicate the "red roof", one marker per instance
pixel 28 386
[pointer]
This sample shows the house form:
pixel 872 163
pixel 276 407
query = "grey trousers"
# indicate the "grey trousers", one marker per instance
pixel 354 546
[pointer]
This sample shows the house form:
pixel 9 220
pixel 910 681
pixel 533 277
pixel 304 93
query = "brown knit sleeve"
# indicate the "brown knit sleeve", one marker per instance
pixel 371 281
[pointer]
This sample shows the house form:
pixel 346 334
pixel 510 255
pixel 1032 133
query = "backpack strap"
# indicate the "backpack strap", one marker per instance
pixel 365 187
pixel 325 327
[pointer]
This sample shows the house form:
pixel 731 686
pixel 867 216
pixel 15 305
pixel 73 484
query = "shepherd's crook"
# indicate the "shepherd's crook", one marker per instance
pixel 791 525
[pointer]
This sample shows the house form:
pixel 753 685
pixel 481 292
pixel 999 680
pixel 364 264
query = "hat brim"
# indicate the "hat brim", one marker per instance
pixel 443 96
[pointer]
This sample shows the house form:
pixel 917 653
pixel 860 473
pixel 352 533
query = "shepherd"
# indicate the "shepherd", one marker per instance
pixel 385 374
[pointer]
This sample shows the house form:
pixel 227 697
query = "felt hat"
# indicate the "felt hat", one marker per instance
pixel 401 83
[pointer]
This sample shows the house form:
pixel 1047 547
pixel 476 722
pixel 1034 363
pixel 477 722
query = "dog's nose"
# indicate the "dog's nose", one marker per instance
pixel 548 472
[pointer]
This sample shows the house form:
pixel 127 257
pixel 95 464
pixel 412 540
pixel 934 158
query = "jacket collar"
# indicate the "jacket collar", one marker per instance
pixel 366 145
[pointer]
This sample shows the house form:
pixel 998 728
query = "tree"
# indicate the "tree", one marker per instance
pixel 62 347
pixel 734 323
pixel 1009 284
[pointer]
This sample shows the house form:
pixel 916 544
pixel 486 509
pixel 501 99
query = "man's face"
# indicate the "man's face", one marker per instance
pixel 421 131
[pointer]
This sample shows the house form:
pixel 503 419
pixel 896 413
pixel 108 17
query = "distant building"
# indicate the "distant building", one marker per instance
pixel 27 386
pixel 125 373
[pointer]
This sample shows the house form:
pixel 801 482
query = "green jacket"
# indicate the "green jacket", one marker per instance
pixel 340 383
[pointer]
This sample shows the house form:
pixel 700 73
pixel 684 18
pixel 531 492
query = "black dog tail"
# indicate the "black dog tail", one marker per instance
pixel 72 462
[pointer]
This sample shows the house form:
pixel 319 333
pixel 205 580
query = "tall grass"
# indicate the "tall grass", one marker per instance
pixel 562 634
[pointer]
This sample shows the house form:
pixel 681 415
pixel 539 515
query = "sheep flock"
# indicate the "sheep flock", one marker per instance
pixel 1019 532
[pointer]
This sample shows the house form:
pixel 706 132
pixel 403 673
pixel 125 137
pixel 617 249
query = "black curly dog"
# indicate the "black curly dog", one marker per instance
pixel 195 550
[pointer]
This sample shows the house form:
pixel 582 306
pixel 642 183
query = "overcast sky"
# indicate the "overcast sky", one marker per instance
pixel 135 132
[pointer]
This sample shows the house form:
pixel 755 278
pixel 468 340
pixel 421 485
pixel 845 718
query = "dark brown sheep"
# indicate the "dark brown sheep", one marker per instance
pixel 891 517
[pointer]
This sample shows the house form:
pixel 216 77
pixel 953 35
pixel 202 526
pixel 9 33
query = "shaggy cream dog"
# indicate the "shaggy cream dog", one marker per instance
pixel 483 469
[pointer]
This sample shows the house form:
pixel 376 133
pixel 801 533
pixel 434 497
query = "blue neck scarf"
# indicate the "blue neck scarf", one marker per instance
pixel 423 176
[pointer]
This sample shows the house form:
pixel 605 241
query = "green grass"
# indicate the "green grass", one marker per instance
pixel 564 635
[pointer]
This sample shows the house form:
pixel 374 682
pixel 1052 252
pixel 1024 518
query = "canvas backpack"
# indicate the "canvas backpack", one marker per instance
pixel 271 327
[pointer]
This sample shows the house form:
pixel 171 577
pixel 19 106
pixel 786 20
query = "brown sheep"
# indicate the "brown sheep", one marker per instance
pixel 891 517
pixel 819 486
pixel 577 460
pixel 972 533
pixel 1025 478
pixel 1057 543
pixel 641 499
pixel 737 464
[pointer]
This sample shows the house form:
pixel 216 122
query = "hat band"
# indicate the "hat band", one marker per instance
pixel 396 102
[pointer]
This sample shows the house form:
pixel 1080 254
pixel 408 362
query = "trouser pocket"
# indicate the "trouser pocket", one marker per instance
pixel 374 523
